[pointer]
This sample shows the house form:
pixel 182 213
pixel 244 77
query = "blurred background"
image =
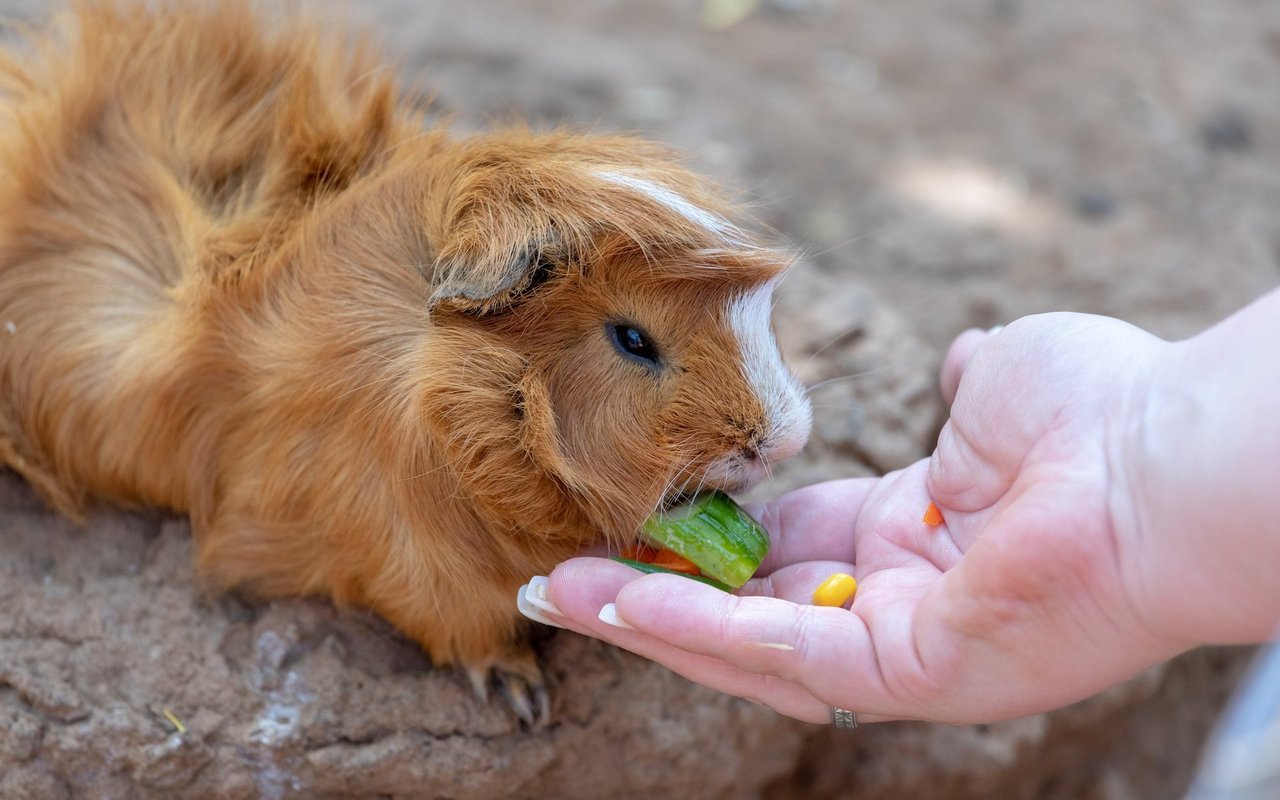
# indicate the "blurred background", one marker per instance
pixel 972 161
pixel 946 164
pixel 939 165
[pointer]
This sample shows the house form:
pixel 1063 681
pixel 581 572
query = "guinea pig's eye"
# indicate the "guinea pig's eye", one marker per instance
pixel 633 342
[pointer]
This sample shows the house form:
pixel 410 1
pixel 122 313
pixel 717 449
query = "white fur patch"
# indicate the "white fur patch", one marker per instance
pixel 672 200
pixel 788 416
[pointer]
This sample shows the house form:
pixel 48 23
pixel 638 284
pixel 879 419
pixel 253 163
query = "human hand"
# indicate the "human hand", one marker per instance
pixel 1031 595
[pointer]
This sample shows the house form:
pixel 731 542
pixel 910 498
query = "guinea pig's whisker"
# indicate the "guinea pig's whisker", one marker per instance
pixel 847 242
pixel 839 335
pixel 831 407
pixel 702 482
pixel 854 376
pixel 669 496
pixel 667 491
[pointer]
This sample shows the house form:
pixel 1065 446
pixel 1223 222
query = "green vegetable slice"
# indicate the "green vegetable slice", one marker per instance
pixel 715 533
pixel 652 568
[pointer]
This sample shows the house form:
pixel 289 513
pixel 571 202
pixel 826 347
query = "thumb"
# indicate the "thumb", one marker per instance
pixel 981 446
pixel 958 357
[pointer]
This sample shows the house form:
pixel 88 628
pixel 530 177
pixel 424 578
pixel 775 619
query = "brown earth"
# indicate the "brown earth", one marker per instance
pixel 942 165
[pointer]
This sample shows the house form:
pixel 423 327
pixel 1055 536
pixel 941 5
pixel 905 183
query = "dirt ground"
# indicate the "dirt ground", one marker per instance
pixel 938 166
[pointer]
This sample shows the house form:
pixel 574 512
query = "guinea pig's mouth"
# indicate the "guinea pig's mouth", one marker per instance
pixel 732 474
pixel 731 483
pixel 680 497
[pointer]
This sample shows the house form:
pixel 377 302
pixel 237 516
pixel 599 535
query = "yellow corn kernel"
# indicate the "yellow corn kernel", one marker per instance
pixel 835 591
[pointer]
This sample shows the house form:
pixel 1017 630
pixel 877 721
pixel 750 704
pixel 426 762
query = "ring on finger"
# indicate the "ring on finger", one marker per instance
pixel 843 718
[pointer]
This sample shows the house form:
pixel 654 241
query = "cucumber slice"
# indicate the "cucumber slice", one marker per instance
pixel 715 533
pixel 649 569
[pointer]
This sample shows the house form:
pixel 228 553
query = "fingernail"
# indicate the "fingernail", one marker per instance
pixel 530 610
pixel 994 329
pixel 537 595
pixel 609 616
pixel 770 645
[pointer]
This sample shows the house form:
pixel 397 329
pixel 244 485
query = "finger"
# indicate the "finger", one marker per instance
pixel 815 523
pixel 782 696
pixel 828 651
pixel 973 464
pixel 957 359
pixel 1007 399
pixel 580 587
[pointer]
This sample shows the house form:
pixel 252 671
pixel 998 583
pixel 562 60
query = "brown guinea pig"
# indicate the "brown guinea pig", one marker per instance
pixel 372 362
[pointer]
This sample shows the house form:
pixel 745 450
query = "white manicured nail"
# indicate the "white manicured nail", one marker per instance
pixel 537 595
pixel 994 329
pixel 609 616
pixel 530 610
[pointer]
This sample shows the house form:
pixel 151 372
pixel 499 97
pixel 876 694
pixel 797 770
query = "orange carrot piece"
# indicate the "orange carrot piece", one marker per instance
pixel 640 552
pixel 932 516
pixel 660 557
pixel 675 562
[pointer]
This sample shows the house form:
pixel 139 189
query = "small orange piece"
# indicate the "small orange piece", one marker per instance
pixel 932 516
pixel 669 559
pixel 836 590
pixel 640 552
pixel 660 557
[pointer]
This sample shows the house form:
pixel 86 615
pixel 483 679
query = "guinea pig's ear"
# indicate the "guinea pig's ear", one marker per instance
pixel 492 256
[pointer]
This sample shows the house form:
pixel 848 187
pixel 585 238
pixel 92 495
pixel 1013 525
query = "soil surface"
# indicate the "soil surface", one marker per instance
pixel 939 166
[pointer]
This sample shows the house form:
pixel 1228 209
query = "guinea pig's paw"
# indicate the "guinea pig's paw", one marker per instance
pixel 518 679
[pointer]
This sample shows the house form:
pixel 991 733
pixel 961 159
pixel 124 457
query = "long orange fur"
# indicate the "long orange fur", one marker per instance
pixel 240 280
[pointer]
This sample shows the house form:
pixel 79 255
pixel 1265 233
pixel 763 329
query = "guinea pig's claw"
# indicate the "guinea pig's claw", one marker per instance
pixel 521 684
pixel 530 702
pixel 478 677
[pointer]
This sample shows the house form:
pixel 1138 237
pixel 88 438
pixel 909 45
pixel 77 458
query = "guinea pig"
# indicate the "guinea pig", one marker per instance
pixel 370 360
